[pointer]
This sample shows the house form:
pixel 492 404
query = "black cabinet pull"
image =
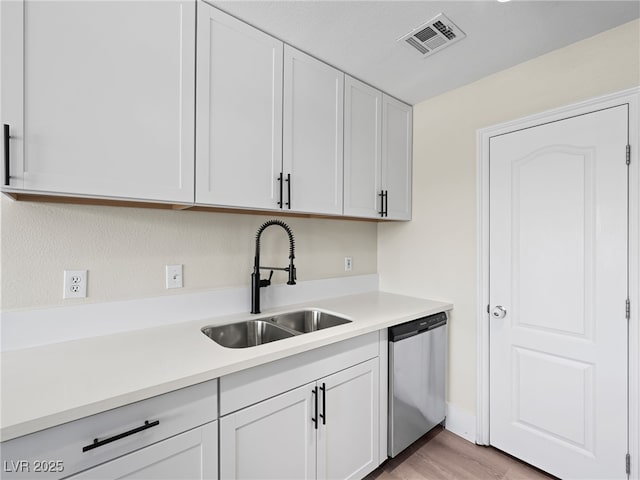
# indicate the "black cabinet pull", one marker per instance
pixel 7 175
pixel 280 183
pixel 314 419
pixel 324 404
pixel 386 203
pixel 99 443
pixel 288 180
pixel 381 195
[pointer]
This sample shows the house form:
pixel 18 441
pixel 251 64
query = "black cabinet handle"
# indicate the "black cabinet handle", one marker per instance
pixel 386 203
pixel 280 183
pixel 288 180
pixel 7 175
pixel 381 195
pixel 99 443
pixel 314 419
pixel 324 404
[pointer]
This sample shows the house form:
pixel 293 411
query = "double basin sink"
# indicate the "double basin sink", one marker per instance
pixel 250 333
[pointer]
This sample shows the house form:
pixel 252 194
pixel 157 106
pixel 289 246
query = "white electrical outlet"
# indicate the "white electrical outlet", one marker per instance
pixel 348 264
pixel 75 284
pixel 174 276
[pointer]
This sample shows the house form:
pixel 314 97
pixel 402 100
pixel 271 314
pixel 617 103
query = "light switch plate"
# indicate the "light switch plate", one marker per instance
pixel 174 276
pixel 348 264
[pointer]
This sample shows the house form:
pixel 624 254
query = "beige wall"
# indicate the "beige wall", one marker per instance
pixel 125 250
pixel 435 255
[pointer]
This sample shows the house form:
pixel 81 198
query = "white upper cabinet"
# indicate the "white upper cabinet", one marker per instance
pixel 313 133
pixel 377 154
pixel 397 124
pixel 362 149
pixel 239 113
pixel 99 97
pixel 99 100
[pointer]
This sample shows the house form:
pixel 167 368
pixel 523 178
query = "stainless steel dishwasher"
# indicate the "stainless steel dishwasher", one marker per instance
pixel 417 368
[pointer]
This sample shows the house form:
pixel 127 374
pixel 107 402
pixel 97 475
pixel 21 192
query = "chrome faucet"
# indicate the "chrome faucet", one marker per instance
pixel 256 283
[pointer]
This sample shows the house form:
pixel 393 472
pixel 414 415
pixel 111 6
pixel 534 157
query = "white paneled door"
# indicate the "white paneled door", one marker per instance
pixel 558 286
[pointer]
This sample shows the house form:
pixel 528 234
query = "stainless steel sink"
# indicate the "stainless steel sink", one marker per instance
pixel 257 332
pixel 246 334
pixel 304 321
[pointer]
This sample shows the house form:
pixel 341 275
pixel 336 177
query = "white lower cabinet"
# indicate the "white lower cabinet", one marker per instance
pixel 327 429
pixel 348 434
pixel 174 435
pixel 189 456
pixel 274 439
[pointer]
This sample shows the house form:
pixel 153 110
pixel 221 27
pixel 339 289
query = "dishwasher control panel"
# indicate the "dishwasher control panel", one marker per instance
pixel 415 327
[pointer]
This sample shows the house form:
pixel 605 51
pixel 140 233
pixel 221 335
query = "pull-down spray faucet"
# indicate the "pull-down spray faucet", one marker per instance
pixel 256 283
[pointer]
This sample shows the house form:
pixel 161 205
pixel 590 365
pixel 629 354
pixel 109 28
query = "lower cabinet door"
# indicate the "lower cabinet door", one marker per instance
pixel 348 444
pixel 274 439
pixel 189 456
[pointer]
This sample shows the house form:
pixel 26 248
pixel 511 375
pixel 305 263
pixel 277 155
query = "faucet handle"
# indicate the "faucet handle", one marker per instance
pixel 266 283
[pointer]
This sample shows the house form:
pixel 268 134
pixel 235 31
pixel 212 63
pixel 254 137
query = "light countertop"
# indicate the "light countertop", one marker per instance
pixel 46 386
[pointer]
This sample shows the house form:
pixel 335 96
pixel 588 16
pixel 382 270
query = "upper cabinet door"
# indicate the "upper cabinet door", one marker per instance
pixel 239 113
pixel 397 125
pixel 99 97
pixel 362 149
pixel 313 133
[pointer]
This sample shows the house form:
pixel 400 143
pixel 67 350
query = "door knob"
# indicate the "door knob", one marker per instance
pixel 499 311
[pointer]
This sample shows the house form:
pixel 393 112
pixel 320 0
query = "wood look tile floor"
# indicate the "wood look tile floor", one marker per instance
pixel 441 455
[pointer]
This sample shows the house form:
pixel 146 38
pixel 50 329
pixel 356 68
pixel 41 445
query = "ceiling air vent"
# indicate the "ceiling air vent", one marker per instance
pixel 433 36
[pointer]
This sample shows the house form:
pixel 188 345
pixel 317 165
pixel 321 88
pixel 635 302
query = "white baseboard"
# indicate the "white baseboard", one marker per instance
pixel 461 422
pixel 32 328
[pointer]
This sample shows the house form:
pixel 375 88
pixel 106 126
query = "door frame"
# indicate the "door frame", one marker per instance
pixel 632 98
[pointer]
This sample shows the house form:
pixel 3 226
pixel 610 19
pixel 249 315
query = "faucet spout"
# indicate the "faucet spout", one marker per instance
pixel 256 283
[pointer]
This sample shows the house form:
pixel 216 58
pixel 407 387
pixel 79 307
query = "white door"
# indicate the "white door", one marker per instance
pixel 99 97
pixel 239 113
pixel 348 433
pixel 362 149
pixel 397 125
pixel 313 133
pixel 558 256
pixel 189 456
pixel 274 439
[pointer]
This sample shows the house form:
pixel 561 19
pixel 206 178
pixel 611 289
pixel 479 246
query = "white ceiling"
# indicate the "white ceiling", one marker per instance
pixel 359 37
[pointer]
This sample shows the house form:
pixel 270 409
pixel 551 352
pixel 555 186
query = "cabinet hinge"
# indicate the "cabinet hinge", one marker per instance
pixel 628 154
pixel 627 309
pixel 628 464
pixel 487 308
